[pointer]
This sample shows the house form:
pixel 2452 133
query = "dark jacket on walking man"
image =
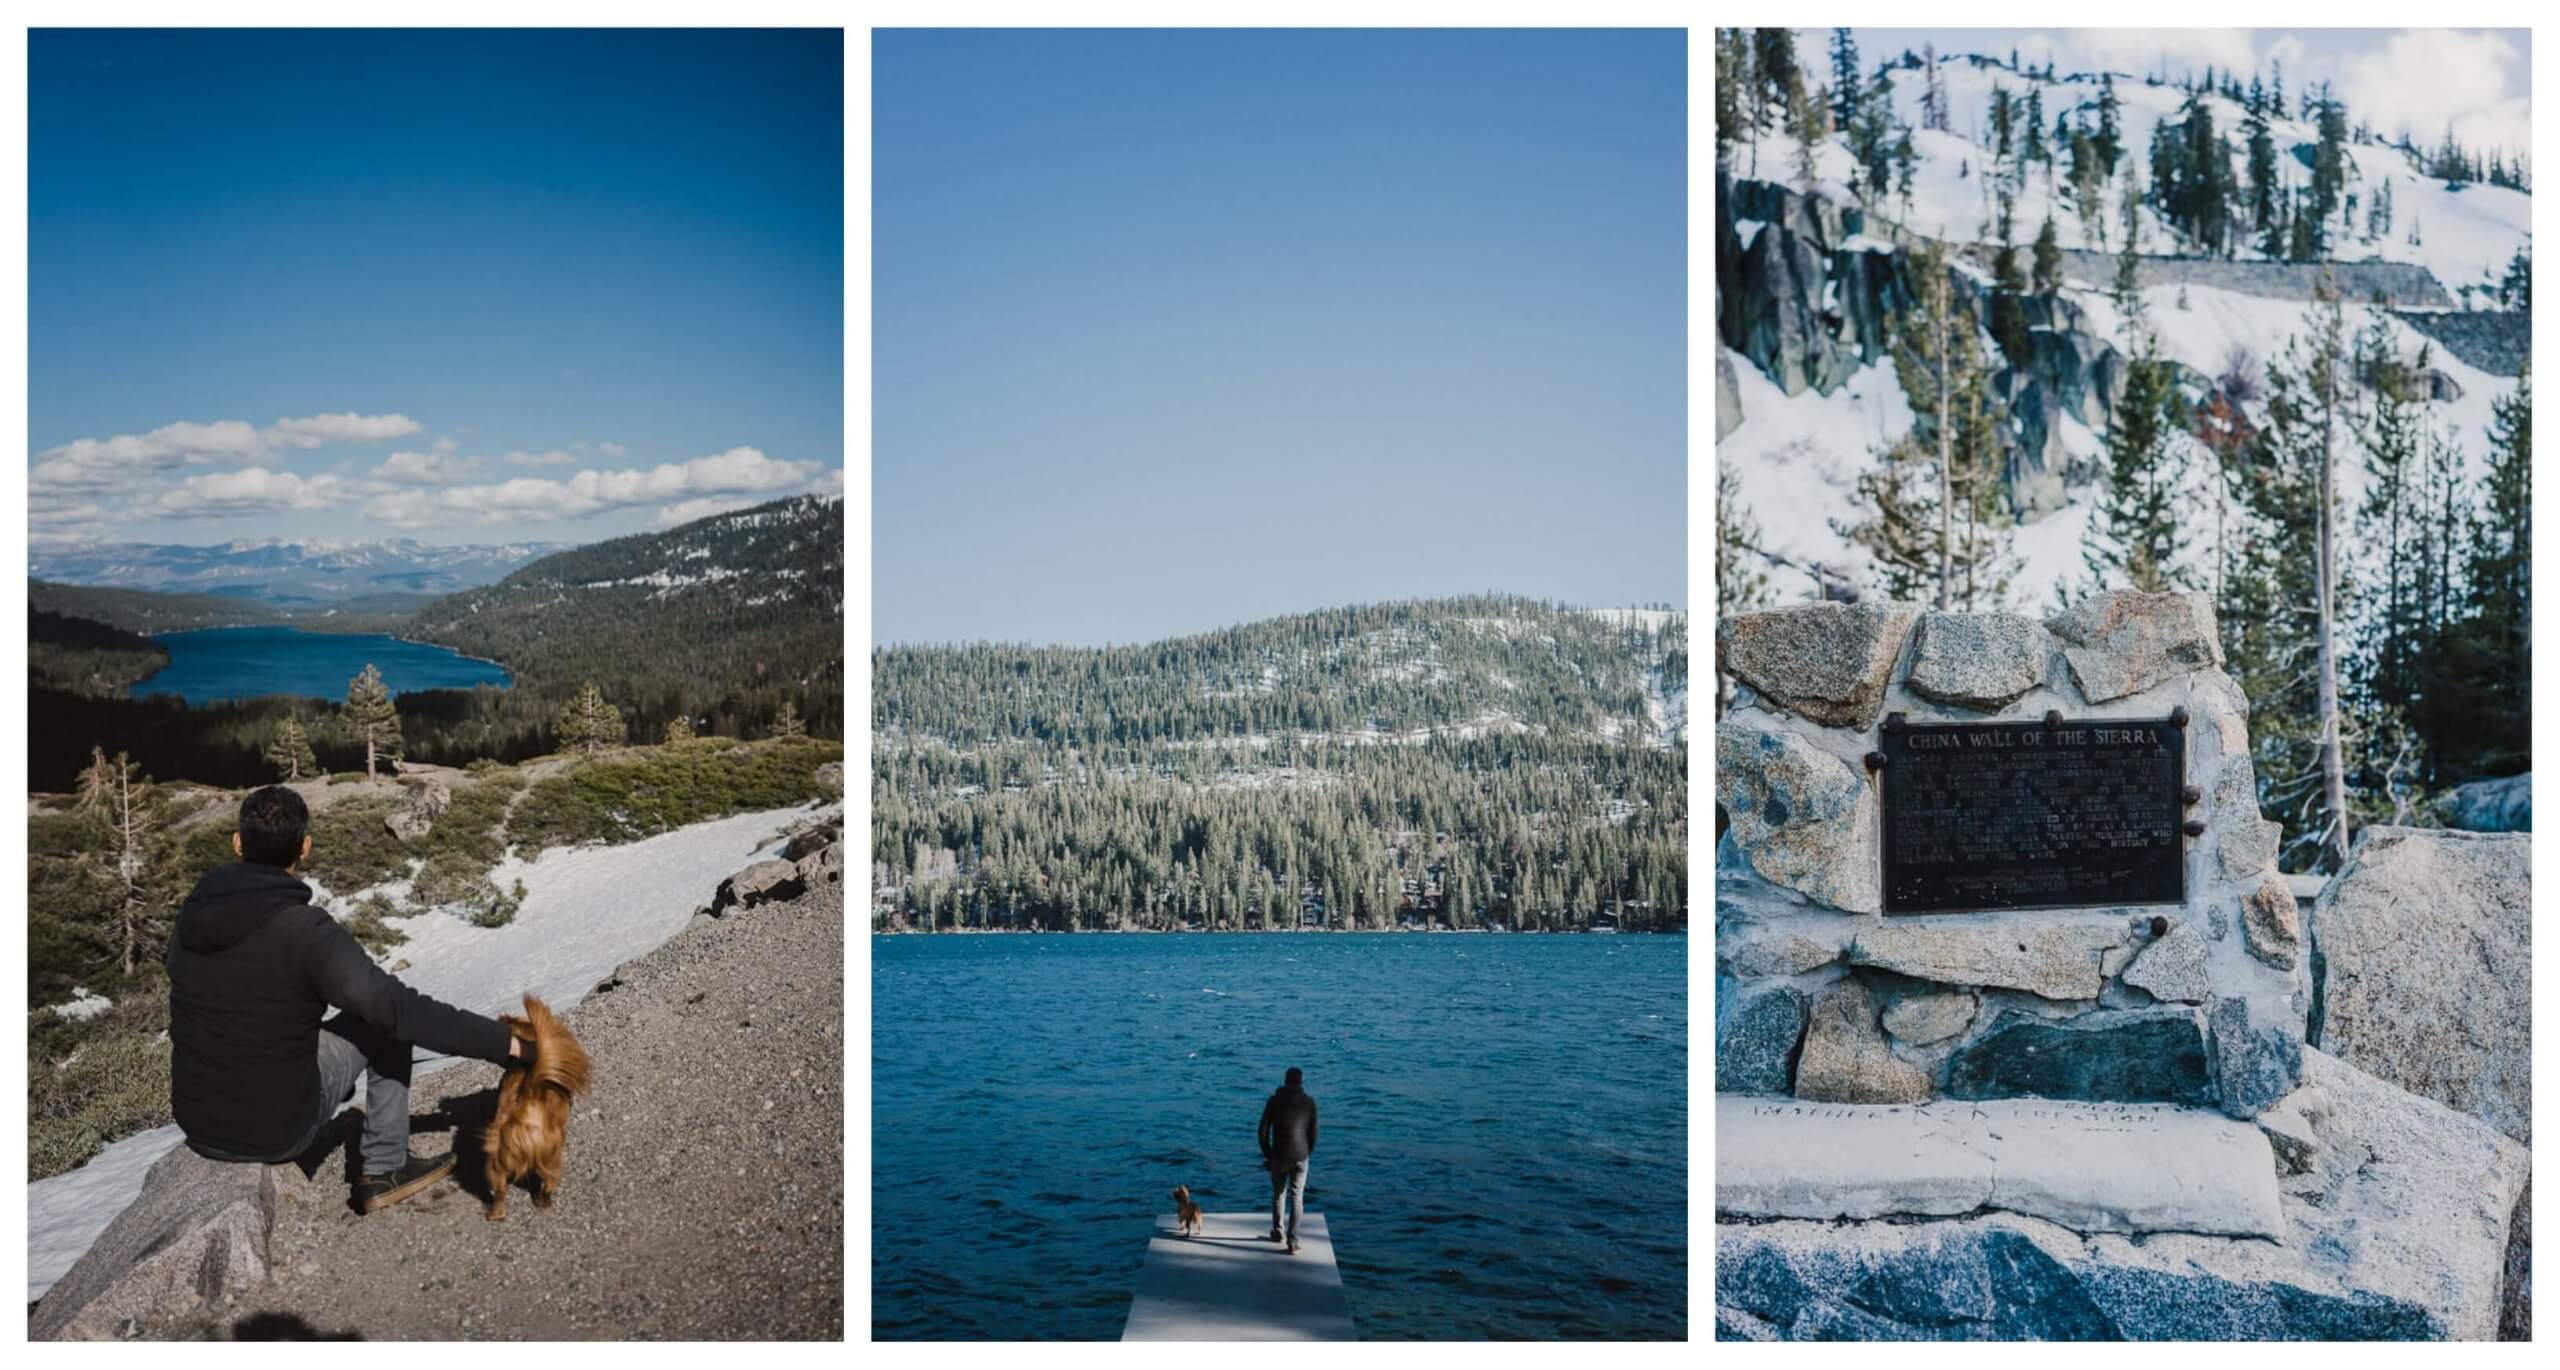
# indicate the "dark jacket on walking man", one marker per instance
pixel 254 1074
pixel 1288 1139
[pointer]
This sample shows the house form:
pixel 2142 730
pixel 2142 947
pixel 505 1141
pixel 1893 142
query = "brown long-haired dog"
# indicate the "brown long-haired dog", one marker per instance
pixel 1186 1214
pixel 532 1124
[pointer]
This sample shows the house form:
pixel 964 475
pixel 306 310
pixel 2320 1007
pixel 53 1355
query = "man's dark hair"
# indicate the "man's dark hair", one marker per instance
pixel 1295 1075
pixel 272 824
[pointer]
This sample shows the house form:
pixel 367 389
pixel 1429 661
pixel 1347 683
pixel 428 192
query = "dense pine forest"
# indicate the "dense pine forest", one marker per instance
pixel 1490 761
pixel 717 627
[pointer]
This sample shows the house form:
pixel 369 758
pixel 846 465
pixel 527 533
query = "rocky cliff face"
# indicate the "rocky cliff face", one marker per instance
pixel 1810 289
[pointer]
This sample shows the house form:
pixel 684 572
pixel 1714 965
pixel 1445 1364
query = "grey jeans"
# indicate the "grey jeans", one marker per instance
pixel 349 1048
pixel 1288 1181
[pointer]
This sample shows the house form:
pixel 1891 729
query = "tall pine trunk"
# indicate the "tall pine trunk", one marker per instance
pixel 2333 772
pixel 1946 483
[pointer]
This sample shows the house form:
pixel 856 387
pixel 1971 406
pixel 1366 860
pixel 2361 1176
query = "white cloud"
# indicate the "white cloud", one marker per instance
pixel 704 508
pixel 738 471
pixel 431 468
pixel 103 464
pixel 251 490
pixel 327 428
pixel 443 446
pixel 2423 81
pixel 554 457
pixel 613 449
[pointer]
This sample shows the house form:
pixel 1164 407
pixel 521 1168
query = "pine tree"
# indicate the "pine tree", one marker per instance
pixel 2328 394
pixel 2048 256
pixel 2328 171
pixel 1846 101
pixel 2476 721
pixel 124 793
pixel 2128 283
pixel 1739 586
pixel 2110 139
pixel 787 723
pixel 97 783
pixel 2515 289
pixel 291 753
pixel 679 729
pixel 369 711
pixel 2132 540
pixel 2262 173
pixel 1733 63
pixel 588 724
pixel 1898 528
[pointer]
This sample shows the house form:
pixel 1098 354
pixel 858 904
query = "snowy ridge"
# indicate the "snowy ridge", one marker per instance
pixel 1799 457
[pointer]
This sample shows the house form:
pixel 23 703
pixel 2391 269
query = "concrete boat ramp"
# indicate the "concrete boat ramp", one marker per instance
pixel 1233 1283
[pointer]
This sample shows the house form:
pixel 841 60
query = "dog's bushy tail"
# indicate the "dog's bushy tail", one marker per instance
pixel 557 1057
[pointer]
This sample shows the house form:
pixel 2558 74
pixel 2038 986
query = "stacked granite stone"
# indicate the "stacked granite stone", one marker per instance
pixel 2097 1123
pixel 1825 999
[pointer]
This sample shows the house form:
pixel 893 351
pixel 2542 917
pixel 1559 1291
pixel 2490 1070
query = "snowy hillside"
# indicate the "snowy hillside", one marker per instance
pixel 2465 233
pixel 1798 456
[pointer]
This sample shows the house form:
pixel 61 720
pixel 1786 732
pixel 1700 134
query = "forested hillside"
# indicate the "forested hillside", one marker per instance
pixel 725 618
pixel 1487 760
pixel 2246 384
pixel 86 657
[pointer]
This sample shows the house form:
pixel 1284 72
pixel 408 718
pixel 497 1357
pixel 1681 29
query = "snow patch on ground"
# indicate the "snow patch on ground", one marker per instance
pixel 586 910
pixel 83 1005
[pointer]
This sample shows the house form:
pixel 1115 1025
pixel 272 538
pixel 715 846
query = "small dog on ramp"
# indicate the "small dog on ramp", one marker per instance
pixel 531 1128
pixel 1186 1214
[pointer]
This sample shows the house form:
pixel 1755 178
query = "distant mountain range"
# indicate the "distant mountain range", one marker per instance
pixel 289 575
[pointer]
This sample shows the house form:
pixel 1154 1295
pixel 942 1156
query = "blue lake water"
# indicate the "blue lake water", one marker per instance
pixel 1504 1148
pixel 209 665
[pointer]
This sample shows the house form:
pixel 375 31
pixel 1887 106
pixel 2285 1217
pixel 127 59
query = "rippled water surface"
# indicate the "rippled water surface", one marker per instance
pixel 1505 1125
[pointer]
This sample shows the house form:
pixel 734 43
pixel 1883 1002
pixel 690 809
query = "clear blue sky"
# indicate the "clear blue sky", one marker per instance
pixel 1179 329
pixel 467 286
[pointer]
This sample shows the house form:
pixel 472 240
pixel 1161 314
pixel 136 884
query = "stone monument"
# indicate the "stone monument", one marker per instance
pixel 2006 972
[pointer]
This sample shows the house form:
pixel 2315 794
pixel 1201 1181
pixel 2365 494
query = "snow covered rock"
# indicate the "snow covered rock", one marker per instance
pixel 426 802
pixel 195 1242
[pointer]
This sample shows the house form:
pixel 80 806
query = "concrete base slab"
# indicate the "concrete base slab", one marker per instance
pixel 1233 1283
pixel 2089 1167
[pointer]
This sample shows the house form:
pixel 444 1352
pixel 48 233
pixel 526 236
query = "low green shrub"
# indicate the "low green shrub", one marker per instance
pixel 370 926
pixel 350 847
pixel 95 1081
pixel 658 789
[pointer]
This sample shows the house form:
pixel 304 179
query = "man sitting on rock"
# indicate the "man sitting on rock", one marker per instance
pixel 254 1074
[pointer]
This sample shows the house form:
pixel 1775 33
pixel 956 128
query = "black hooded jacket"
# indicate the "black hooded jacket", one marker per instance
pixel 1288 1131
pixel 253 967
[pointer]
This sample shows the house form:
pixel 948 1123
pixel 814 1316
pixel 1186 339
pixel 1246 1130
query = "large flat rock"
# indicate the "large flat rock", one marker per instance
pixel 192 1244
pixel 2088 1167
pixel 2398 1232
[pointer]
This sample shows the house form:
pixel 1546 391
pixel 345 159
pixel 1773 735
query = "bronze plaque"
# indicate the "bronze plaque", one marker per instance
pixel 2061 814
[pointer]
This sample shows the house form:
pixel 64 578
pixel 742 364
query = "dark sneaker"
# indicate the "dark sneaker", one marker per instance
pixel 383 1190
pixel 1293 1246
pixel 1275 1235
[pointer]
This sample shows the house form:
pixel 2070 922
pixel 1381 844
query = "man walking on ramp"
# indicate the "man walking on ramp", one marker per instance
pixel 1288 1138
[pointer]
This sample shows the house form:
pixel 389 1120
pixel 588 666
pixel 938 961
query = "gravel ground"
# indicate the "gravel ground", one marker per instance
pixel 703 1194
